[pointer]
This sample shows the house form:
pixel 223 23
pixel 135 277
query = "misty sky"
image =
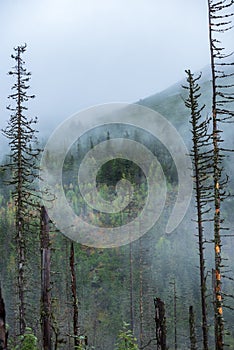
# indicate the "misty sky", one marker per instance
pixel 87 52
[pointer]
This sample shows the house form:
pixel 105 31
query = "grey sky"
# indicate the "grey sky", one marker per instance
pixel 86 52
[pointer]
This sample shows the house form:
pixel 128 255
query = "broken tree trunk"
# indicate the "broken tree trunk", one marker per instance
pixel 192 329
pixel 76 330
pixel 45 282
pixel 3 331
pixel 160 321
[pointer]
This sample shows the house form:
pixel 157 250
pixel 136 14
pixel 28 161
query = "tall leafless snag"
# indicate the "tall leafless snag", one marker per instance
pixel 192 329
pixel 45 282
pixel 175 314
pixel 160 322
pixel 131 287
pixel 21 135
pixel 76 328
pixel 220 13
pixel 202 158
pixel 141 292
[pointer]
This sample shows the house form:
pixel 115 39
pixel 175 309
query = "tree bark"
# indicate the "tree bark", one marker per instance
pixel 76 329
pixel 192 331
pixel 160 321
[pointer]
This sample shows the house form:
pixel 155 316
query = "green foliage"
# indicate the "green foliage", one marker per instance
pixel 126 340
pixel 82 346
pixel 28 341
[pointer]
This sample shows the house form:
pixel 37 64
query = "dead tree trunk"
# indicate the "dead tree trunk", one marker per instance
pixel 202 158
pixel 45 282
pixel 220 13
pixel 76 330
pixel 3 331
pixel 192 329
pixel 160 321
pixel 141 293
pixel 131 287
pixel 175 313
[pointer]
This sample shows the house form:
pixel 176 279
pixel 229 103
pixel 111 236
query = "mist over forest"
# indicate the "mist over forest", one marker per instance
pixel 116 225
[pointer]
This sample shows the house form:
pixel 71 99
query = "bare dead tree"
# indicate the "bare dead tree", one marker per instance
pixel 175 313
pixel 202 158
pixel 45 282
pixel 160 322
pixel 219 23
pixel 76 328
pixel 141 292
pixel 131 287
pixel 192 329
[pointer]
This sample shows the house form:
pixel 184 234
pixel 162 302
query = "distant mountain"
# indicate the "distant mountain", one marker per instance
pixel 170 103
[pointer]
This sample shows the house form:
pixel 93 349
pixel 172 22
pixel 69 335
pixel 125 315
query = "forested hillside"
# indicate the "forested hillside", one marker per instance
pixel 164 289
pixel 119 284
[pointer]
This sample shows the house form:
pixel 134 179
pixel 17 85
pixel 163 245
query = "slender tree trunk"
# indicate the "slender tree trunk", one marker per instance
pixel 21 278
pixel 141 293
pixel 201 255
pixel 201 162
pixel 45 282
pixel 68 294
pixel 76 329
pixel 192 329
pixel 175 314
pixel 160 321
pixel 3 331
pixel 131 288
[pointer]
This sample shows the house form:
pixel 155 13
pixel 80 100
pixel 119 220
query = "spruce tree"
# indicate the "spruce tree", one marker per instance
pixel 24 171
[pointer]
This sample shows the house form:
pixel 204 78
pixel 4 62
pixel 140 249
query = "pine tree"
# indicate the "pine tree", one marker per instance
pixel 126 340
pixel 24 170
